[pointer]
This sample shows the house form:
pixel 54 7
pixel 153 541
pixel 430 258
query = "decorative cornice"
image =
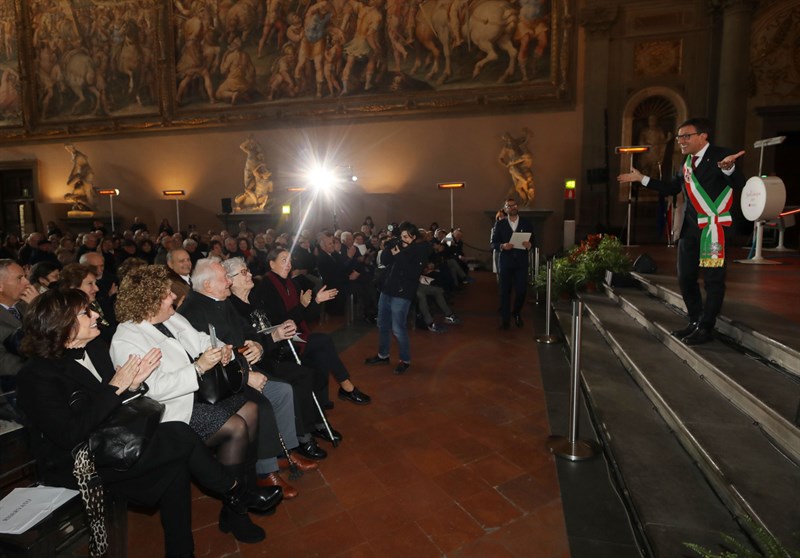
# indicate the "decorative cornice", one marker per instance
pixel 598 20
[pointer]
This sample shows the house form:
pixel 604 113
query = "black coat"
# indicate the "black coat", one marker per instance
pixel 44 390
pixel 401 277
pixel 713 181
pixel 501 234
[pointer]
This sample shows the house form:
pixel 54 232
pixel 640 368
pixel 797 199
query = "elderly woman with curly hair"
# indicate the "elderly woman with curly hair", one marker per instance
pixel 69 386
pixel 144 304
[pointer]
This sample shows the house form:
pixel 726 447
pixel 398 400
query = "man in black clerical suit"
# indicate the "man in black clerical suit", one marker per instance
pixel 712 184
pixel 513 262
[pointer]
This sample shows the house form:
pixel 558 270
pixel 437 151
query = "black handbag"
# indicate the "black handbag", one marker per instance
pixel 122 438
pixel 222 382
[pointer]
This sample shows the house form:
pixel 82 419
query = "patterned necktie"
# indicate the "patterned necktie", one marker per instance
pixel 14 312
pixel 695 159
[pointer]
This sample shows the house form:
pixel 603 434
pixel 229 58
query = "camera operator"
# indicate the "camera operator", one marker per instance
pixel 398 286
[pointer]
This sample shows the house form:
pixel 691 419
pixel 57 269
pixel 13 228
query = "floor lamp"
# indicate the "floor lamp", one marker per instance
pixel 451 186
pixel 110 192
pixel 177 194
pixel 623 150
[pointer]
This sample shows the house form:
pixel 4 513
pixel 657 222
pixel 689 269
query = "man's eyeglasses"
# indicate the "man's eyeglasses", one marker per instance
pixel 686 136
pixel 243 271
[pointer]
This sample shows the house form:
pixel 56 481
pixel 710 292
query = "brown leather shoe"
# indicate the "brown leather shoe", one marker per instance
pixel 302 463
pixel 274 479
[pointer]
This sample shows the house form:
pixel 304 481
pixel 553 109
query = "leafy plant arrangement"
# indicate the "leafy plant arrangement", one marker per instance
pixel 585 265
pixel 769 545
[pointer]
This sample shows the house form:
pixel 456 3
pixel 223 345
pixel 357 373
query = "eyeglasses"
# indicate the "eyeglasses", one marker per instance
pixel 243 271
pixel 686 136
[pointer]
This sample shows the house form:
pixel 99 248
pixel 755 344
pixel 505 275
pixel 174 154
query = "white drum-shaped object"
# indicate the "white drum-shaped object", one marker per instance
pixel 763 198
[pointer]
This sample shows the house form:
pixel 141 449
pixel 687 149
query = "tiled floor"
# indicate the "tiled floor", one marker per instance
pixel 449 460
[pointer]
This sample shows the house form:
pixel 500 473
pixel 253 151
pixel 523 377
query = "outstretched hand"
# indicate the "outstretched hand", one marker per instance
pixel 633 176
pixel 728 162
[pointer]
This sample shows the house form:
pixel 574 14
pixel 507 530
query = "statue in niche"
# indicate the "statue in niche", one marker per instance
pixel 517 158
pixel 257 183
pixel 653 135
pixel 80 183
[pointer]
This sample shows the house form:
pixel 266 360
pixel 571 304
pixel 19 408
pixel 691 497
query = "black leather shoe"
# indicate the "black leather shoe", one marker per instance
pixel 376 360
pixel 699 336
pixel 401 367
pixel 684 331
pixel 355 396
pixel 264 500
pixel 518 320
pixel 311 450
pixel 322 434
pixel 240 526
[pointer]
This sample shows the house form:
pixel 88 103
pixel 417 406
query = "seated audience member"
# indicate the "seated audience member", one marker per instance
pixel 66 358
pixel 192 248
pixel 88 243
pixel 334 271
pixel 44 274
pixel 145 306
pixel 215 249
pixel 129 265
pixel 44 252
pixel 165 244
pixel 26 250
pixel 106 280
pixel 146 251
pixel 361 282
pixel 179 264
pixel 428 288
pixel 208 303
pixel 165 227
pixel 83 278
pixel 279 298
pixel 127 250
pixel 230 248
pixel 16 293
pixel 11 247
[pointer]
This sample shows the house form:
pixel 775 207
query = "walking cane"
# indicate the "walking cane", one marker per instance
pixel 294 471
pixel 334 441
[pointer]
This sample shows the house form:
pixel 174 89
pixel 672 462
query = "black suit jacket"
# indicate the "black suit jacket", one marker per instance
pixel 501 234
pixel 713 181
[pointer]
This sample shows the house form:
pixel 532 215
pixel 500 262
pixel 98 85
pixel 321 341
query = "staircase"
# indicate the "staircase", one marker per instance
pixel 698 437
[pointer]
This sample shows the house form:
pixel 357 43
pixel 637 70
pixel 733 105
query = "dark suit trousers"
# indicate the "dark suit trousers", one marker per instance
pixel 689 275
pixel 302 380
pixel 320 354
pixel 512 276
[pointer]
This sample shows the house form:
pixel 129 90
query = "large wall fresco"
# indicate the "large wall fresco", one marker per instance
pixel 106 66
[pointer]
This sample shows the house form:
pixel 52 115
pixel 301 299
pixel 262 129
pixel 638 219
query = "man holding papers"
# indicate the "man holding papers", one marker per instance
pixel 511 238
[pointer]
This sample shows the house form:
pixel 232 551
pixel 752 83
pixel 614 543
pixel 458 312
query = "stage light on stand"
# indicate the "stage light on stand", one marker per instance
pixel 630 150
pixel 110 192
pixel 451 186
pixel 177 194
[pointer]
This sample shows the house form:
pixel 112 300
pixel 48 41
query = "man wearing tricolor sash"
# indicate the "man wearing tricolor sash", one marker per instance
pixel 711 184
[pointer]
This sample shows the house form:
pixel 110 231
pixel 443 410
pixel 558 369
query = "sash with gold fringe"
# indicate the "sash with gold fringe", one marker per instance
pixel 711 217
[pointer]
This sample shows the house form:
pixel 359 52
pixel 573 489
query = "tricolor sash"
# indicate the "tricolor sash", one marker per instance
pixel 711 217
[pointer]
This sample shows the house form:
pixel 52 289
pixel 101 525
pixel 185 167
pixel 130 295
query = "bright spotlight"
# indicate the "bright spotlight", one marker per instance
pixel 321 178
pixel 354 178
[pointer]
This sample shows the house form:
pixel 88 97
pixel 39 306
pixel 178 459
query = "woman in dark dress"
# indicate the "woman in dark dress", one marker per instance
pixel 68 388
pixel 280 299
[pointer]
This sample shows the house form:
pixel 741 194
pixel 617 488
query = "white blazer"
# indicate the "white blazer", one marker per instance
pixel 174 382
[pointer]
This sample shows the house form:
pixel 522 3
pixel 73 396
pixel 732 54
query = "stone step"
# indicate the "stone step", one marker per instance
pixel 749 473
pixel 670 499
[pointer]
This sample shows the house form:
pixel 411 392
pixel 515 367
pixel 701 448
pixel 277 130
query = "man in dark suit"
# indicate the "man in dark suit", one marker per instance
pixel 513 264
pixel 711 183
pixel 15 295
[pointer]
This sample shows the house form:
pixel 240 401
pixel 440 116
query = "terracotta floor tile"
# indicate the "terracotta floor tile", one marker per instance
pixel 495 470
pixel 357 488
pixel 210 541
pixel 486 549
pixel 461 483
pixel 490 509
pixel 450 528
pixel 380 517
pixel 431 459
pixel 404 543
pixel 332 535
pixel 396 474
pixel 466 449
pixel 313 506
pixel 364 550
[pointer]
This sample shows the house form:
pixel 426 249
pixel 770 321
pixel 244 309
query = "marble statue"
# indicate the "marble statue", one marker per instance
pixel 517 158
pixel 80 182
pixel 257 183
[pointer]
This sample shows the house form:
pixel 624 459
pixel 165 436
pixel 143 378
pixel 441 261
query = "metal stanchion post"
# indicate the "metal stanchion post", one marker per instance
pixel 570 447
pixel 547 338
pixel 536 274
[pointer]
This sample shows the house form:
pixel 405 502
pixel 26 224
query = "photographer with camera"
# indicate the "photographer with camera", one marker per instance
pixel 404 260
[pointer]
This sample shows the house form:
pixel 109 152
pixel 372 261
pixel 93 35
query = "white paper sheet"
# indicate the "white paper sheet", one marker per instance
pixel 25 507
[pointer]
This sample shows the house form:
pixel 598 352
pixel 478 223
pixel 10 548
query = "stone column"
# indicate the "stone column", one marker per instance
pixel 597 21
pixel 734 61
